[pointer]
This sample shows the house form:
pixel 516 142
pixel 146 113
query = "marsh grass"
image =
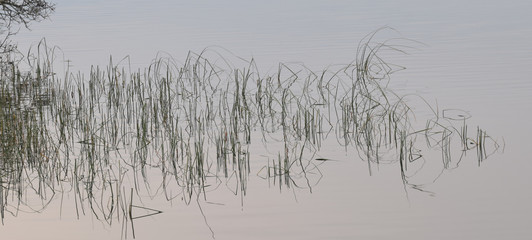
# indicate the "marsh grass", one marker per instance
pixel 181 130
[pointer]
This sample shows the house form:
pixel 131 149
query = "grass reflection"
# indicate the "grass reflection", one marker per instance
pixel 181 130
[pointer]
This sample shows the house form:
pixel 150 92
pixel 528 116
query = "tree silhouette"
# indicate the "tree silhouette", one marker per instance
pixel 14 13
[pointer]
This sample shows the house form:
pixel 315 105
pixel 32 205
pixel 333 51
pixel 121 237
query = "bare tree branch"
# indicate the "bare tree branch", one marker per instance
pixel 25 11
pixel 14 13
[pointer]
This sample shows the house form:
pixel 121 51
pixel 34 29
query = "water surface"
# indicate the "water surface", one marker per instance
pixel 474 56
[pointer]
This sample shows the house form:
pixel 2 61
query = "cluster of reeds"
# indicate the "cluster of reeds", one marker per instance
pixel 183 129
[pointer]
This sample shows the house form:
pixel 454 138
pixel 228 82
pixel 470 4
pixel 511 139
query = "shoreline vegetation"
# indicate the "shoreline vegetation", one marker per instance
pixel 191 127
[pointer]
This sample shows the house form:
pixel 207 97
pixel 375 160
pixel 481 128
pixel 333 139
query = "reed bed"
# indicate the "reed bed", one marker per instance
pixel 191 127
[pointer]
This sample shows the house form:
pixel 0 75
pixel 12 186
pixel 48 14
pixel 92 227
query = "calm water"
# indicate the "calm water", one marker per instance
pixel 475 56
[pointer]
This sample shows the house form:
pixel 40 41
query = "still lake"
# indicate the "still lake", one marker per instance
pixel 474 56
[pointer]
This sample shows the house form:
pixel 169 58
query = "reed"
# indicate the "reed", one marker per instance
pixel 190 127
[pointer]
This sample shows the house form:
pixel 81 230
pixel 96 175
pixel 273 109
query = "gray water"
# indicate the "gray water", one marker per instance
pixel 474 56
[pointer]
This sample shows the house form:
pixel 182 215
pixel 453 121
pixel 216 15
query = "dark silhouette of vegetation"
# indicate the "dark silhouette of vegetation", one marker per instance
pixel 14 13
